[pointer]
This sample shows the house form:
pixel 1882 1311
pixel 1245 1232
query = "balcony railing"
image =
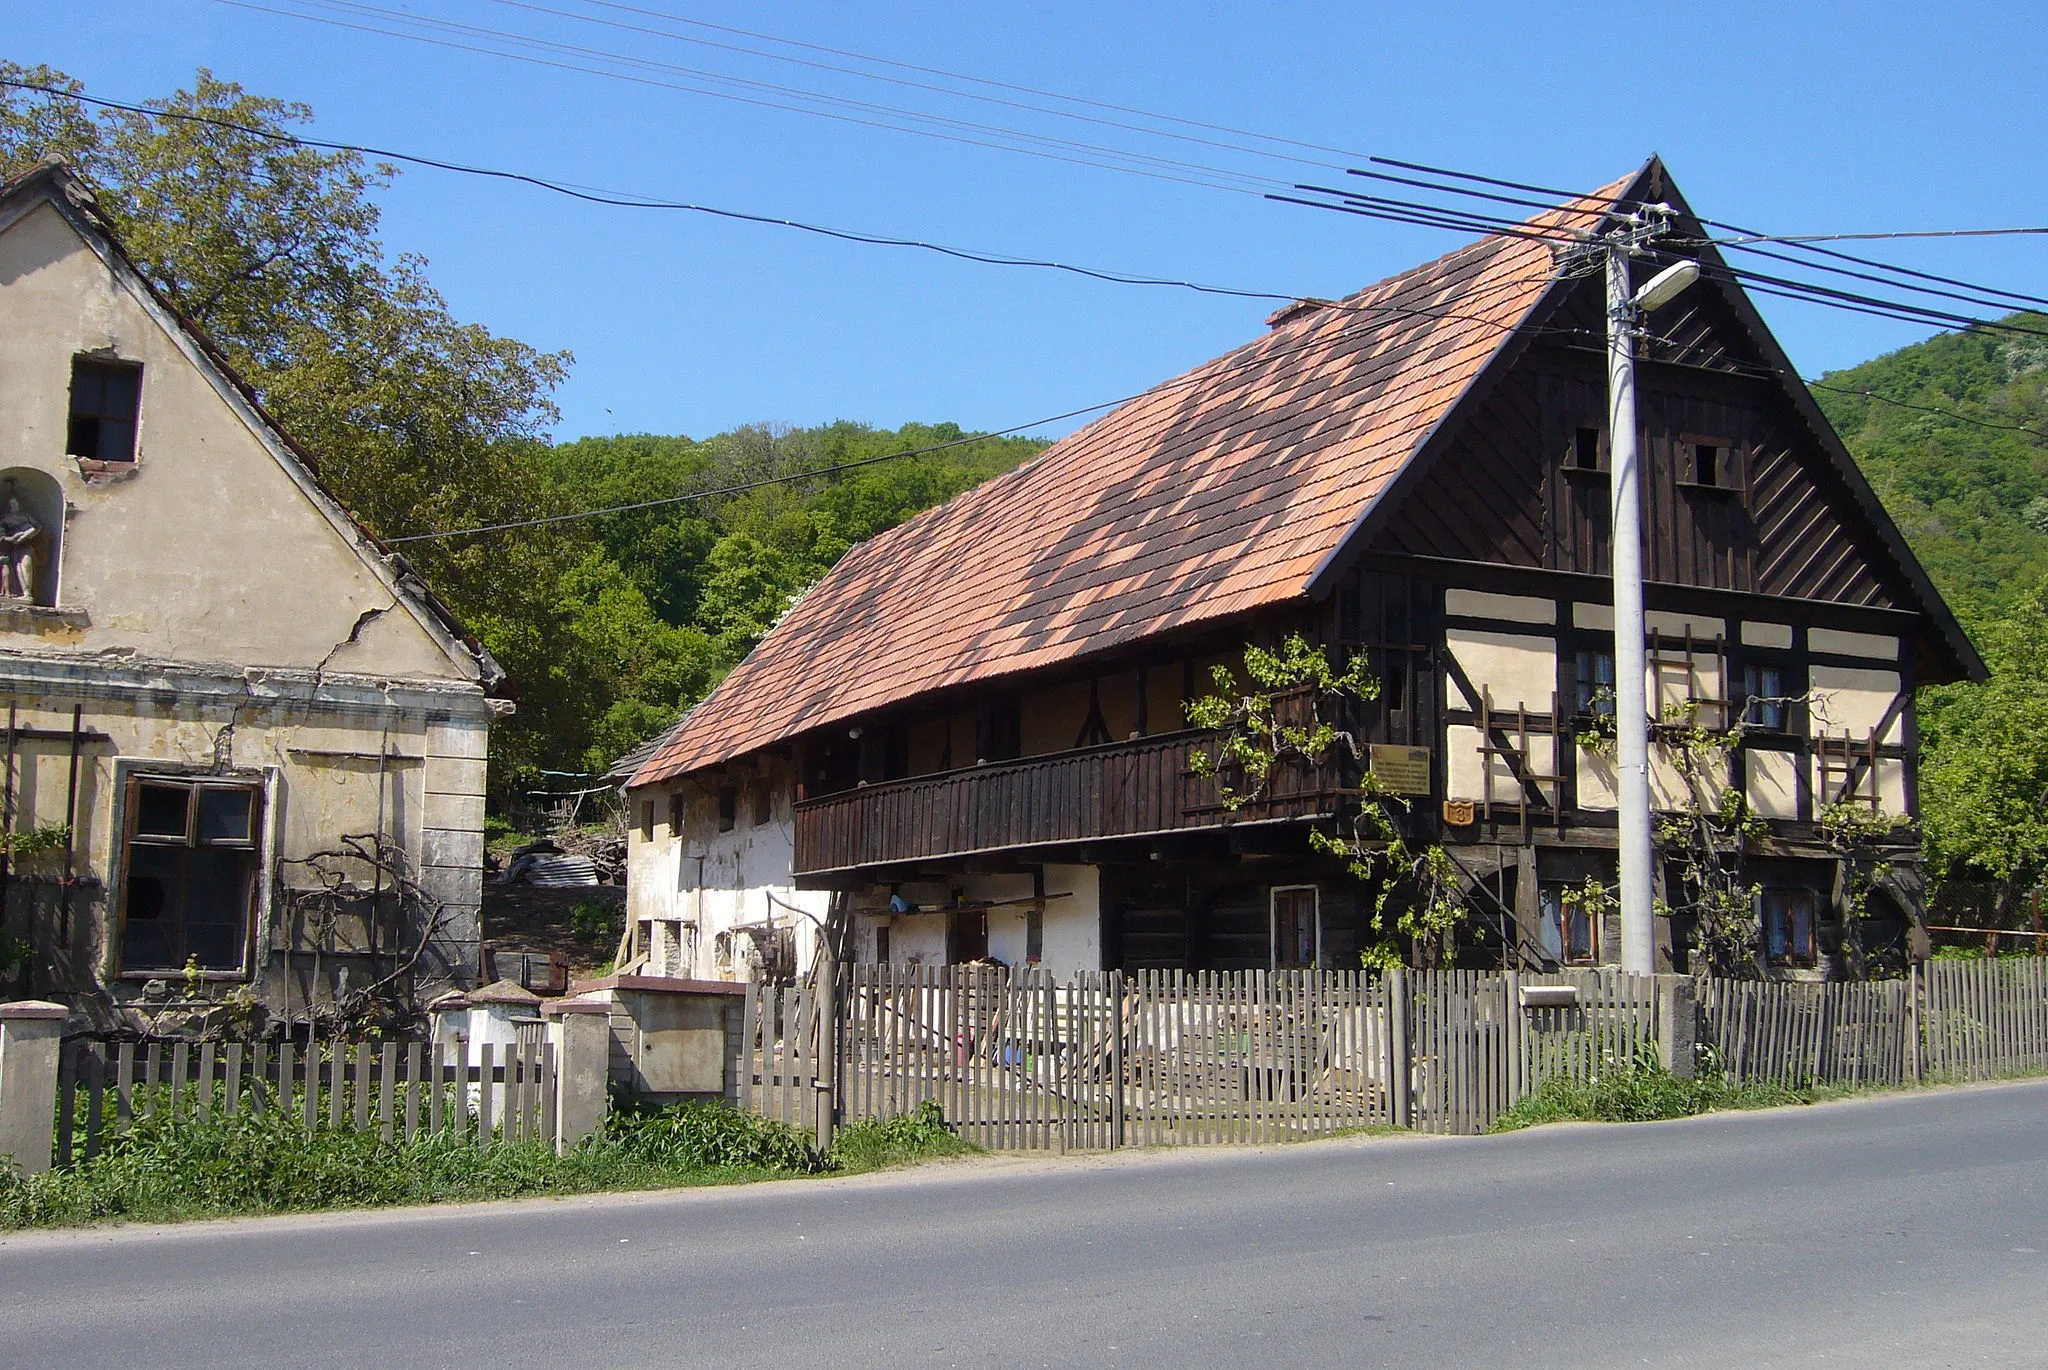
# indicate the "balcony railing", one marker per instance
pixel 1130 789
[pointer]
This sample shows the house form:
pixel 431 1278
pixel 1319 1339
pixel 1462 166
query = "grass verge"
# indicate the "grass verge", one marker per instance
pixel 167 1170
pixel 1641 1090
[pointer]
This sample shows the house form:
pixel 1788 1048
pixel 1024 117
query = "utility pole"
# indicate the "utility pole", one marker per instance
pixel 1625 305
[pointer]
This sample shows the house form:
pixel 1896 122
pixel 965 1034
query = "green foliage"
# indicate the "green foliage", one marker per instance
pixel 1276 714
pixel 1984 764
pixel 694 1135
pixel 15 952
pixel 877 1144
pixel 1972 501
pixel 38 841
pixel 1638 1089
pixel 420 423
pixel 595 920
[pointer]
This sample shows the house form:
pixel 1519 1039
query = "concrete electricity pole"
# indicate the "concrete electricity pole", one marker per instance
pixel 1625 305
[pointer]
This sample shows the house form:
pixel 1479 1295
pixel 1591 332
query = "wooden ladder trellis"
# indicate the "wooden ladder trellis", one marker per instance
pixel 1516 758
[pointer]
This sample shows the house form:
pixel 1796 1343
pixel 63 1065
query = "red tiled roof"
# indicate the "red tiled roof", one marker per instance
pixel 1213 493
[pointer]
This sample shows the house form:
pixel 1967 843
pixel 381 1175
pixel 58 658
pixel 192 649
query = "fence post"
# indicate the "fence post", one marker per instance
pixel 1401 1069
pixel 30 1033
pixel 582 1035
pixel 1916 989
pixel 1116 1059
pixel 1678 1025
pixel 827 1063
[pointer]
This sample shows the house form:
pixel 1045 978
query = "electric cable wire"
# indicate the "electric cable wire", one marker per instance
pixel 1201 375
pixel 947 91
pixel 1803 242
pixel 1047 149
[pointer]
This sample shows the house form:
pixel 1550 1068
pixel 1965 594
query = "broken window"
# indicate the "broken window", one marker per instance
pixel 1790 938
pixel 1585 455
pixel 1297 927
pixel 104 399
pixel 189 890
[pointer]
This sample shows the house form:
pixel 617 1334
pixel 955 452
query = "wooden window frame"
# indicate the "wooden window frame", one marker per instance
pixel 1728 479
pixel 252 844
pixel 1315 900
pixel 1796 956
pixel 1550 894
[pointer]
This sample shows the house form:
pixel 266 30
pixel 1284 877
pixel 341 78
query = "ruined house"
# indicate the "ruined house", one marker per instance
pixel 245 745
pixel 970 739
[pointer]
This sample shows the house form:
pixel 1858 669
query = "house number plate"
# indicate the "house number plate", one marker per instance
pixel 1404 770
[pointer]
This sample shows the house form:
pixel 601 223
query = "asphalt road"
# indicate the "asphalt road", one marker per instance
pixel 1904 1231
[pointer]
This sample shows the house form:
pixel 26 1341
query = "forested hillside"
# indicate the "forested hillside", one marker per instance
pixel 663 601
pixel 1969 487
pixel 1956 443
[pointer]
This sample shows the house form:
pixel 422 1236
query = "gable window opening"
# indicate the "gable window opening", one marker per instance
pixel 1585 453
pixel 105 398
pixel 1296 927
pixel 1790 936
pixel 728 808
pixel 191 861
pixel 1569 928
pixel 647 820
pixel 1709 463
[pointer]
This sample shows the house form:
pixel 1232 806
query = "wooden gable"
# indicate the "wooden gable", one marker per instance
pixel 1783 513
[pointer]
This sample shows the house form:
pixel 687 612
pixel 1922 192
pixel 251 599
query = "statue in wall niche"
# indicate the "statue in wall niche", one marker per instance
pixel 19 537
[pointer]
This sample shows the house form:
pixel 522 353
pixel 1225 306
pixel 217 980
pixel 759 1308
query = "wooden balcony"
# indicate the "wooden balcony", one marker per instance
pixel 1130 789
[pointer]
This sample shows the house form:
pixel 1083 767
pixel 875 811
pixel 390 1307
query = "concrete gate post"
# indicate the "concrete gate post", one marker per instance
pixel 30 1034
pixel 1678 1025
pixel 582 1036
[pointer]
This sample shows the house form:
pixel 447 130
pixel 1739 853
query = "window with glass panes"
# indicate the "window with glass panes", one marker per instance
pixel 1297 927
pixel 189 889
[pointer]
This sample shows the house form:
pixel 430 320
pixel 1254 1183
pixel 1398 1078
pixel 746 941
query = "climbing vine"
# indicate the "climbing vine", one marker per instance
pixel 1283 712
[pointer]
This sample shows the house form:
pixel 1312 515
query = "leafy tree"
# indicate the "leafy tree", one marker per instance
pixel 1984 766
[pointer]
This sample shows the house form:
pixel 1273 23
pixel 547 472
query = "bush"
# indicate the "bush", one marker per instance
pixel 1640 1090
pixel 874 1144
pixel 696 1135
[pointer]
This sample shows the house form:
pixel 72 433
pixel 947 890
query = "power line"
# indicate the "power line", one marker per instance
pixel 914 84
pixel 1805 243
pixel 1087 155
pixel 977 80
pixel 1201 375
pixel 1932 409
pixel 1798 238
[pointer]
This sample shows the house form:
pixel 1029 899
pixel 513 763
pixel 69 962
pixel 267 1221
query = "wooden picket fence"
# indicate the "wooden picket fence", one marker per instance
pixel 1018 1060
pixel 1980 1020
pixel 1790 1034
pixel 396 1089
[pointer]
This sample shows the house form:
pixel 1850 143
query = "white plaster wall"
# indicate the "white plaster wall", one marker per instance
pixel 1838 642
pixel 1598 785
pixel 1517 671
pixel 1471 776
pixel 1773 783
pixel 1852 700
pixel 1891 785
pixel 210 551
pixel 1515 608
pixel 703 882
pixel 1777 635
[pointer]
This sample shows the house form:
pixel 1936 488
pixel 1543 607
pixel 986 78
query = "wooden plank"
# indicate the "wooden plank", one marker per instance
pixel 233 1084
pixel 95 1098
pixel 152 1070
pixel 287 1062
pixel 124 1086
pixel 259 1058
pixel 387 1078
pixel 486 1106
pixel 207 1062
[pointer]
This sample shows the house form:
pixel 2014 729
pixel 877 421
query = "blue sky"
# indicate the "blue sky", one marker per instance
pixel 1787 117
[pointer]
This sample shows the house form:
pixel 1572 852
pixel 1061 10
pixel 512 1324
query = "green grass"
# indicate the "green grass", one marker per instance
pixel 166 1170
pixel 1641 1090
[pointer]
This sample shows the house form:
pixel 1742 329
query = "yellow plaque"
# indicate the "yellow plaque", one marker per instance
pixel 1404 770
pixel 1459 813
